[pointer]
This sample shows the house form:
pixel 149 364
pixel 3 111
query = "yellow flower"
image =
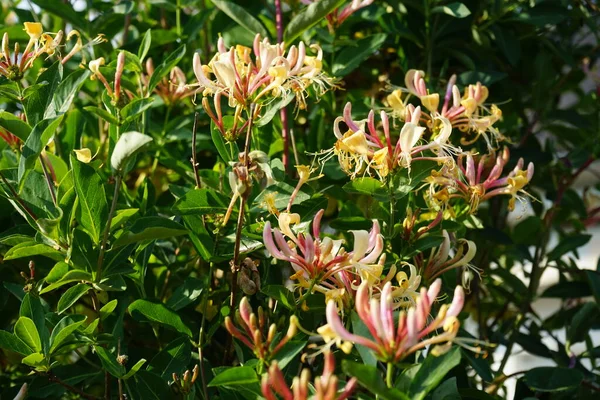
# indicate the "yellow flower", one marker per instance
pixel 94 65
pixel 84 155
pixel 33 29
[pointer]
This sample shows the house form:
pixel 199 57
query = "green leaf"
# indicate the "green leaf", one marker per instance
pixel 234 376
pixel 108 308
pixel 359 328
pixel 135 368
pixel 135 108
pixel 309 17
pixel 64 11
pixel 366 185
pixel 63 96
pixel 57 272
pixel 37 361
pixel 30 249
pixel 455 9
pixel 127 145
pixel 201 202
pixel 26 331
pixel 228 151
pixel 14 125
pixel 32 308
pixel 122 216
pixel 62 331
pixel 242 17
pixel 144 310
pixel 150 386
pixel 163 69
pixel 553 379
pixel 145 45
pixel 568 244
pixel 11 342
pixel 369 377
pixel 185 294
pixel 109 362
pixel 71 296
pixel 174 358
pixel 93 207
pixel 289 351
pixel 594 281
pixel 71 276
pixel 447 391
pixel 432 371
pixel 508 43
pixel 281 294
pixel 35 143
pixel 105 115
pixel 350 57
pixel 150 228
pixel 37 103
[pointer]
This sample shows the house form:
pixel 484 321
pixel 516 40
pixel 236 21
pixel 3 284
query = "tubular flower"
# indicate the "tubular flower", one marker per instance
pixel 171 90
pixel 113 91
pixel 468 112
pixel 440 260
pixel 270 74
pixel 325 386
pixel 392 342
pixel 475 189
pixel 322 264
pixel 14 67
pixel 338 16
pixel 363 151
pixel 256 334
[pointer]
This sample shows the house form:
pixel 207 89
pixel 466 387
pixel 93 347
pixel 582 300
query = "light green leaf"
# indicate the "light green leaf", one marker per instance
pixel 105 115
pixel 93 207
pixel 150 228
pixel 39 100
pixel 455 9
pixel 108 308
pixel 145 45
pixel 127 145
pixel 109 362
pixel 309 17
pixel 135 108
pixel 37 361
pixel 26 331
pixel 35 143
pixel 136 367
pixel 65 93
pixel 242 17
pixel 144 310
pixel 32 248
pixel 234 376
pixel 122 216
pixel 71 296
pixel 71 276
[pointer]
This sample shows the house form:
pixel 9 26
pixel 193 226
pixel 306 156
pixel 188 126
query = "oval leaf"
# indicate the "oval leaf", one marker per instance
pixel 126 146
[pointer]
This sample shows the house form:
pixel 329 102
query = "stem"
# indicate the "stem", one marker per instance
pixel 178 17
pixel 238 232
pixel 107 228
pixel 49 181
pixel 194 161
pixel 283 111
pixel 389 375
pixel 201 334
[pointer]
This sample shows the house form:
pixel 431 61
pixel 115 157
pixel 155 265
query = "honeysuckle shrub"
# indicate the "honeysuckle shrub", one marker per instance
pixel 297 199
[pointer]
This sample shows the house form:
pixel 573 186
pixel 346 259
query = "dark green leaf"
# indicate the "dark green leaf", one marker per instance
pixel 242 17
pixel 568 244
pixel 553 379
pixel 163 69
pixel 71 276
pixel 93 207
pixel 109 362
pixel 370 378
pixel 174 358
pixel 455 9
pixel 11 342
pixel 62 331
pixel 432 371
pixel 35 143
pixel 14 125
pixel 350 57
pixel 582 322
pixel 201 202
pixel 150 228
pixel 65 93
pixel 234 376
pixel 185 294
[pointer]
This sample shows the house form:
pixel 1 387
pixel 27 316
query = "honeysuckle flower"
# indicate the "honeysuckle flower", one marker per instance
pixel 480 181
pixel 323 264
pixel 113 91
pixel 325 386
pixel 392 342
pixel 440 260
pixel 416 85
pixel 172 89
pixel 94 66
pixel 261 74
pixel 255 332
pixel 79 46
pixel 361 150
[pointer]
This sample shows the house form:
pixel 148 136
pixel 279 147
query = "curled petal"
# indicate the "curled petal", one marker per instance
pixel 457 302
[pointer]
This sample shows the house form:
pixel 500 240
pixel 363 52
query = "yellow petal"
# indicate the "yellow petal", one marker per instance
pixel 84 155
pixel 33 29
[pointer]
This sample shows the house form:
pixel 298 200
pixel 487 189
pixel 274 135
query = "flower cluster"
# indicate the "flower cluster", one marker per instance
pixel 479 181
pixel 392 342
pixel 14 66
pixel 325 386
pixel 338 16
pixel 361 150
pixel 257 76
pixel 468 113
pixel 255 333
